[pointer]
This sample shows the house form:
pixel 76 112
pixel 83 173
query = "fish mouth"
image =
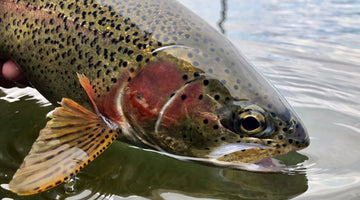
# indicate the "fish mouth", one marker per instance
pixel 231 148
pixel 249 156
pixel 265 163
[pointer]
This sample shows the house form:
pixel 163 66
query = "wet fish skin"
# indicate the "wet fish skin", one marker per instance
pixel 46 29
pixel 164 76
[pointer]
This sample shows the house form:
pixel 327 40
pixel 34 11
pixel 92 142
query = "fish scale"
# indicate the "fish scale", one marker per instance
pixel 98 59
pixel 171 23
pixel 149 72
pixel 87 43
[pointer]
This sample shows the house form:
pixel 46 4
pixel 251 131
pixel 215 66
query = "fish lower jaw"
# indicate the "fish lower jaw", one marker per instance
pixel 247 156
pixel 265 165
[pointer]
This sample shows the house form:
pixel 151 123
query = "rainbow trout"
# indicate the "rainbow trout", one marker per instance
pixel 151 73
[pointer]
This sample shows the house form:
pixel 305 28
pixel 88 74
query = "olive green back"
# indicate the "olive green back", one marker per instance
pixel 53 39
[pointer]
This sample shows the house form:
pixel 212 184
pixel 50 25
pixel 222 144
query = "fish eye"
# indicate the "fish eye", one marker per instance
pixel 251 122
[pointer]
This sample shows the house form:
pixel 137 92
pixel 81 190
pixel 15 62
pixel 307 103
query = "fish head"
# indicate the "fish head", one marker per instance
pixel 257 133
pixel 216 117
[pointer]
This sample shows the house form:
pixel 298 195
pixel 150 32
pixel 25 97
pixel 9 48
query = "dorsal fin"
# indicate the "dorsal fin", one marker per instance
pixel 71 139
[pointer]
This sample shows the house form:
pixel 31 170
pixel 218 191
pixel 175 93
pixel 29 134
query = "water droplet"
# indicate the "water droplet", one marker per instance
pixel 69 185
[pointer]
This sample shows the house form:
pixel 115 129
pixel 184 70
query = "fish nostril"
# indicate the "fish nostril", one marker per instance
pixel 293 127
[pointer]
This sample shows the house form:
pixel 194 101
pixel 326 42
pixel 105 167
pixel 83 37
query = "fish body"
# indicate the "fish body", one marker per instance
pixel 149 72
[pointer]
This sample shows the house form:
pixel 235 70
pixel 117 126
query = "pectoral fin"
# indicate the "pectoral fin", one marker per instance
pixel 71 139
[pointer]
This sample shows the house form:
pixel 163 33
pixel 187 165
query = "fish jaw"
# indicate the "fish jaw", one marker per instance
pixel 246 152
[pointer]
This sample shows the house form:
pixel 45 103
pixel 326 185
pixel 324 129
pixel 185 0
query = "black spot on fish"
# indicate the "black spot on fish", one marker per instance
pixel 200 96
pixel 206 82
pixel 183 97
pixel 139 58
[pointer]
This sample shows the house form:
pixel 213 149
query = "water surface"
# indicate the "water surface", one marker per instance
pixel 310 51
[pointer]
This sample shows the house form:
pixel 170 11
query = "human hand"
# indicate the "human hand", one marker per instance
pixel 11 74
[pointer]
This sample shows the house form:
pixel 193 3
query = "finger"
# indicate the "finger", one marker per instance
pixel 3 81
pixel 12 72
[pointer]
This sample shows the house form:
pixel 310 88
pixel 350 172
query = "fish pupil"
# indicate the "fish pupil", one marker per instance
pixel 250 123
